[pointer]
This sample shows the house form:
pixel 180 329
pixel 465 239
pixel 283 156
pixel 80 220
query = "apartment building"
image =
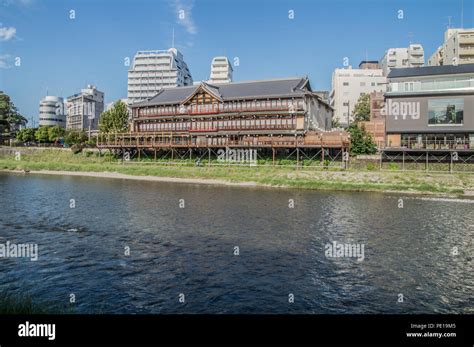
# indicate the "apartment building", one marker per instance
pixel 221 70
pixel 349 84
pixel 84 109
pixel 154 70
pixel 52 111
pixel 394 58
pixel 458 48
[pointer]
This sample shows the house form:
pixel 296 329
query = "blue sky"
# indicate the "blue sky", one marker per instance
pixel 61 55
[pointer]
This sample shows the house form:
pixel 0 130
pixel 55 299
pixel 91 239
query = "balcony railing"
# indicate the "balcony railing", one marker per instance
pixel 168 140
pixel 216 128
pixel 217 108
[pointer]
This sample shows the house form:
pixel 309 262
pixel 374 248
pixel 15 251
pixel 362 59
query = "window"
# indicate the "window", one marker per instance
pixel 408 86
pixel 445 111
pixel 362 84
pixel 345 84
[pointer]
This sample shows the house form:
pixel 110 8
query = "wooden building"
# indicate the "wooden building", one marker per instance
pixel 266 113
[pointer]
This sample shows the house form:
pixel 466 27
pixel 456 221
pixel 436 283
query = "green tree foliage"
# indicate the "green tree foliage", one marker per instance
pixel 55 133
pixel 10 118
pixel 42 135
pixel 361 141
pixel 335 123
pixel 114 120
pixel 75 137
pixel 362 109
pixel 26 135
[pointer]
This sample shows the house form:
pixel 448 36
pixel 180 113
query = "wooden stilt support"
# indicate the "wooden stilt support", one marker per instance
pixel 297 157
pixel 451 163
pixel 273 152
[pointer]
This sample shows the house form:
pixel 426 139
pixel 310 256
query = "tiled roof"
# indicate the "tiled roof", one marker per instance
pixel 295 86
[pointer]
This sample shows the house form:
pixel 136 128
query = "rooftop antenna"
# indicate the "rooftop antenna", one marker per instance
pixel 449 22
pixel 410 37
pixel 462 14
pixel 172 40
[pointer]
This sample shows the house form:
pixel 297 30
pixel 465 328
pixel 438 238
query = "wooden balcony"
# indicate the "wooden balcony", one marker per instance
pixel 181 140
pixel 217 109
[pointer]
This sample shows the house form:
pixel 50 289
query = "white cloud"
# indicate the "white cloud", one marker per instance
pixel 7 33
pixel 184 15
pixel 16 2
pixel 3 61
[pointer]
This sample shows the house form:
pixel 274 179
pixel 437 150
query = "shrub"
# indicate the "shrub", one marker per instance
pixel 76 148
pixel 371 166
pixel 393 166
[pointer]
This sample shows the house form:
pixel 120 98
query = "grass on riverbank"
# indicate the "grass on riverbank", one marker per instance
pixel 23 304
pixel 309 178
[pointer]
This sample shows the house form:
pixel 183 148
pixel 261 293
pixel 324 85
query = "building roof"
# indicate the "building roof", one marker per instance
pixel 294 86
pixel 431 70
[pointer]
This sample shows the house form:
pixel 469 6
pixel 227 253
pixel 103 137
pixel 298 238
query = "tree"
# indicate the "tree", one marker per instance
pixel 335 123
pixel 362 108
pixel 75 137
pixel 42 134
pixel 26 135
pixel 55 133
pixel 10 118
pixel 361 141
pixel 114 120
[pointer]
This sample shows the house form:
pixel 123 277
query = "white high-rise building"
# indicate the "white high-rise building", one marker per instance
pixel 84 109
pixel 412 56
pixel 52 111
pixel 154 70
pixel 348 85
pixel 221 70
pixel 458 48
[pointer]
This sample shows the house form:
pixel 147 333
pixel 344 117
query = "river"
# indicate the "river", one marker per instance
pixel 123 246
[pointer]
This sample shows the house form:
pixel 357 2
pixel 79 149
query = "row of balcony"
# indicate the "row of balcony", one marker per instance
pixel 215 109
pixel 216 128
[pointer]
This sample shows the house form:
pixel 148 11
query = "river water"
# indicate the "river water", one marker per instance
pixel 231 249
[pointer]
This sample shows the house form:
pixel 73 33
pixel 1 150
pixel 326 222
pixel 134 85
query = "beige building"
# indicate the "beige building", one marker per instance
pixel 458 48
pixel 348 85
pixel 84 109
pixel 395 58
pixel 221 70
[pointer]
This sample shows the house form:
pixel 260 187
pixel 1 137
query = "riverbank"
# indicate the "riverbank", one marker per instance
pixel 54 162
pixel 24 304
